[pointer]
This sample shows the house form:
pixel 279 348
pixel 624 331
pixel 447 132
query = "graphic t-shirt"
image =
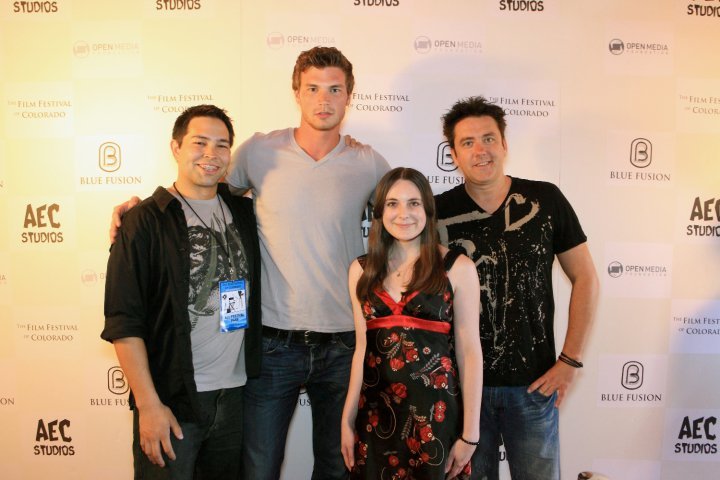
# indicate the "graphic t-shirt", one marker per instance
pixel 216 254
pixel 513 250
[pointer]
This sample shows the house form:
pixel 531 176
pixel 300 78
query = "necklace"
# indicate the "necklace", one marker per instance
pixel 401 270
pixel 224 247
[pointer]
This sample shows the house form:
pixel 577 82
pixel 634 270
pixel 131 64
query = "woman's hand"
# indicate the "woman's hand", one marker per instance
pixel 460 455
pixel 347 444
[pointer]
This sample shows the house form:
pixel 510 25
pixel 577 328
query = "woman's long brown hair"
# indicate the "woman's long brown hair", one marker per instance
pixel 428 272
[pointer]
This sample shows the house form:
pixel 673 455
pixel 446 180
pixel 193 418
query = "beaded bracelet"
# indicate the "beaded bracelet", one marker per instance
pixel 570 361
pixel 469 442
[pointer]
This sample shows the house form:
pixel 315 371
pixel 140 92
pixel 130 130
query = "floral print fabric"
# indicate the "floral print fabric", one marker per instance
pixel 409 411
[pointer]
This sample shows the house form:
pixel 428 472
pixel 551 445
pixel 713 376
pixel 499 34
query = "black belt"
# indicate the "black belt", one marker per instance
pixel 304 337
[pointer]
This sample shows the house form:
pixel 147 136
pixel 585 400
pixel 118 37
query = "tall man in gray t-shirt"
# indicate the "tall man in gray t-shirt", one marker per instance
pixel 310 191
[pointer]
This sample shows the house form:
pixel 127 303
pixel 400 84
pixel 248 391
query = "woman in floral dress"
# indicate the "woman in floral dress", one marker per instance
pixel 416 309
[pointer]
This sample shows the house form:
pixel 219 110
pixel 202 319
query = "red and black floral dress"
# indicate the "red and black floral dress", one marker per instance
pixel 409 411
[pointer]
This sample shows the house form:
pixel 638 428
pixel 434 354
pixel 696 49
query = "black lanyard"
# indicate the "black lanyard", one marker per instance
pixel 212 231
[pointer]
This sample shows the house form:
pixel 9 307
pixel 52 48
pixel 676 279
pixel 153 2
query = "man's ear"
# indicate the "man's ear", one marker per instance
pixel 175 148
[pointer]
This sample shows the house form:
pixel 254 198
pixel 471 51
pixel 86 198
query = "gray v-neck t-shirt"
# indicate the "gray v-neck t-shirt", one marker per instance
pixel 309 222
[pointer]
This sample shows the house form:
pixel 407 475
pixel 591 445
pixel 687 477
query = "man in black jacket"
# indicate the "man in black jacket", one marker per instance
pixel 187 358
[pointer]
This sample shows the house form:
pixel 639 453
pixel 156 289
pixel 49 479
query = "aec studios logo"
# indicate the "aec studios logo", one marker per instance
pixel 704 218
pixel 697 435
pixel 35 7
pixel 617 46
pixel 42 224
pixel 376 3
pixel 444 162
pixel 177 5
pixel 522 5
pixel 52 437
pixel 706 10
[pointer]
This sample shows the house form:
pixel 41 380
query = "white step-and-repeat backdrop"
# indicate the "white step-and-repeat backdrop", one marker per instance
pixel 618 102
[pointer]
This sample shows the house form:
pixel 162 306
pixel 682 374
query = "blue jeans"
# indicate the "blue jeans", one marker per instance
pixel 210 449
pixel 270 400
pixel 528 425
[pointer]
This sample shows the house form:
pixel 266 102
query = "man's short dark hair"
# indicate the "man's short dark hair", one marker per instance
pixel 471 107
pixel 182 122
pixel 323 57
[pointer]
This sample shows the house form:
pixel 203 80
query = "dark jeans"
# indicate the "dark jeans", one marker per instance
pixel 528 424
pixel 210 449
pixel 270 400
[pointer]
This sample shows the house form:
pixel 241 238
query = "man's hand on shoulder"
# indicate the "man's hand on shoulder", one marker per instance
pixel 117 214
pixel 240 192
pixel 352 143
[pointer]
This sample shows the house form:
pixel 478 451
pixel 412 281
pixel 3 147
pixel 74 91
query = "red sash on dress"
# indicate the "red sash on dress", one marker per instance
pixel 409 322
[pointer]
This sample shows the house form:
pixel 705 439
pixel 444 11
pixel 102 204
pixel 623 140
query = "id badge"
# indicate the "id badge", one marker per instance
pixel 233 305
